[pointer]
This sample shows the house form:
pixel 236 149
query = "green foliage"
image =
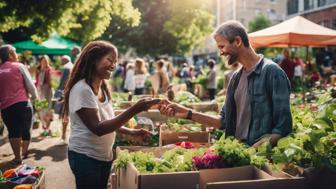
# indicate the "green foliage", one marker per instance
pixel 117 98
pixel 202 80
pixel 185 97
pixel 220 82
pixel 41 104
pixel 120 141
pixel 25 57
pixel 258 161
pixel 258 23
pixel 220 99
pixel 166 27
pixel 175 160
pixel 189 23
pixel 183 125
pixel 144 162
pixel 313 142
pixel 217 134
pixel 181 158
pixel 79 19
pixel 233 152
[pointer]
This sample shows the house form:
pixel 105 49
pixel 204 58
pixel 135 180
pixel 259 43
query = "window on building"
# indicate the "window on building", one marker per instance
pixel 242 20
pixel 329 2
pixel 272 14
pixel 325 23
pixel 257 12
pixel 292 7
pixel 321 3
pixel 308 4
pixel 334 24
pixel 244 4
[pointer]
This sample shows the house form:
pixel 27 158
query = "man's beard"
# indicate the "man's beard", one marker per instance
pixel 233 58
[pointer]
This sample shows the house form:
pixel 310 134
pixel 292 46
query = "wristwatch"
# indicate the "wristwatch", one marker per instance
pixel 189 115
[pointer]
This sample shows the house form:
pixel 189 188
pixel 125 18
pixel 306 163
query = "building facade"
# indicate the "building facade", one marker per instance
pixel 322 12
pixel 246 10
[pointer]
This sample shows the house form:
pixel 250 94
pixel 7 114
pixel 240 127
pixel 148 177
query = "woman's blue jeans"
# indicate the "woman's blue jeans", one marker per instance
pixel 89 173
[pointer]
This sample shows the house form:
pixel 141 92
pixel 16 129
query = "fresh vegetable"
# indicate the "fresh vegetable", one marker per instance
pixel 312 144
pixel 24 186
pixel 184 97
pixel 9 173
pixel 175 160
pixel 209 160
pixel 41 104
pixel 232 151
pixel 186 145
pixel 182 125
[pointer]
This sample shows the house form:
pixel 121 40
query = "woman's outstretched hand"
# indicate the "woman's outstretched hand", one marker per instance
pixel 145 104
pixel 171 109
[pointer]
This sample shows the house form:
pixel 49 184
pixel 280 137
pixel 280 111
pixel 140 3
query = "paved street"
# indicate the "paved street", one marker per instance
pixel 45 152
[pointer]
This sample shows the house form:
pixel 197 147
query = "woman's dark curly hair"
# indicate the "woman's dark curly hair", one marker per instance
pixel 84 67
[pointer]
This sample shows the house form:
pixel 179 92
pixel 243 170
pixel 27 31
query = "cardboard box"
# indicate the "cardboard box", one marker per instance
pixel 237 177
pixel 167 137
pixel 287 180
pixel 130 178
pixel 322 177
pixel 247 177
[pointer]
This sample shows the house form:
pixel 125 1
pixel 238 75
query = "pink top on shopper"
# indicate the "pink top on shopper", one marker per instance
pixel 12 88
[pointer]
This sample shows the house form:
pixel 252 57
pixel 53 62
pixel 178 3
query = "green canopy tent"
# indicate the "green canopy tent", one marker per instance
pixel 55 45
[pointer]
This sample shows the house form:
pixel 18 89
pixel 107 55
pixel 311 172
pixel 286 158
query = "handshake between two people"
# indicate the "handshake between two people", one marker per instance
pixel 165 107
pixel 172 109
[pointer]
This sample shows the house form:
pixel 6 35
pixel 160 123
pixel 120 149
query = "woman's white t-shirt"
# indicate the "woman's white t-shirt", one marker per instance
pixel 82 140
pixel 140 80
pixel 129 80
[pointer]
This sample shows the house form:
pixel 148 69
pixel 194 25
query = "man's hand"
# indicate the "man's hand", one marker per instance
pixel 172 109
pixel 271 138
pixel 274 139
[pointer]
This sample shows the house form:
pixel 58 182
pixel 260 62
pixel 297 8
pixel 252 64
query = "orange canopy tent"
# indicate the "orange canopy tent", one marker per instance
pixel 295 32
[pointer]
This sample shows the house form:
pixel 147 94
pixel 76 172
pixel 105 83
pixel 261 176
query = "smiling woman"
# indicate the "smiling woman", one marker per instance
pixel 93 123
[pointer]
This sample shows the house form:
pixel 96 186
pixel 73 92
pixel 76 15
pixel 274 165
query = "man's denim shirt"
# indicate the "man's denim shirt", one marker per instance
pixel 269 91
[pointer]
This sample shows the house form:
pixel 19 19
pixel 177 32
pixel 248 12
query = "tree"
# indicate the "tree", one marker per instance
pixel 258 23
pixel 147 38
pixel 79 19
pixel 189 23
pixel 166 27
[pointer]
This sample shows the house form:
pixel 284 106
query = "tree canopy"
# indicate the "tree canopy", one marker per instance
pixel 78 19
pixel 150 27
pixel 166 27
pixel 258 23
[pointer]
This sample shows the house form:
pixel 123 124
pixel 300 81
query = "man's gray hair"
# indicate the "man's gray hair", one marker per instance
pixel 4 52
pixel 230 29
